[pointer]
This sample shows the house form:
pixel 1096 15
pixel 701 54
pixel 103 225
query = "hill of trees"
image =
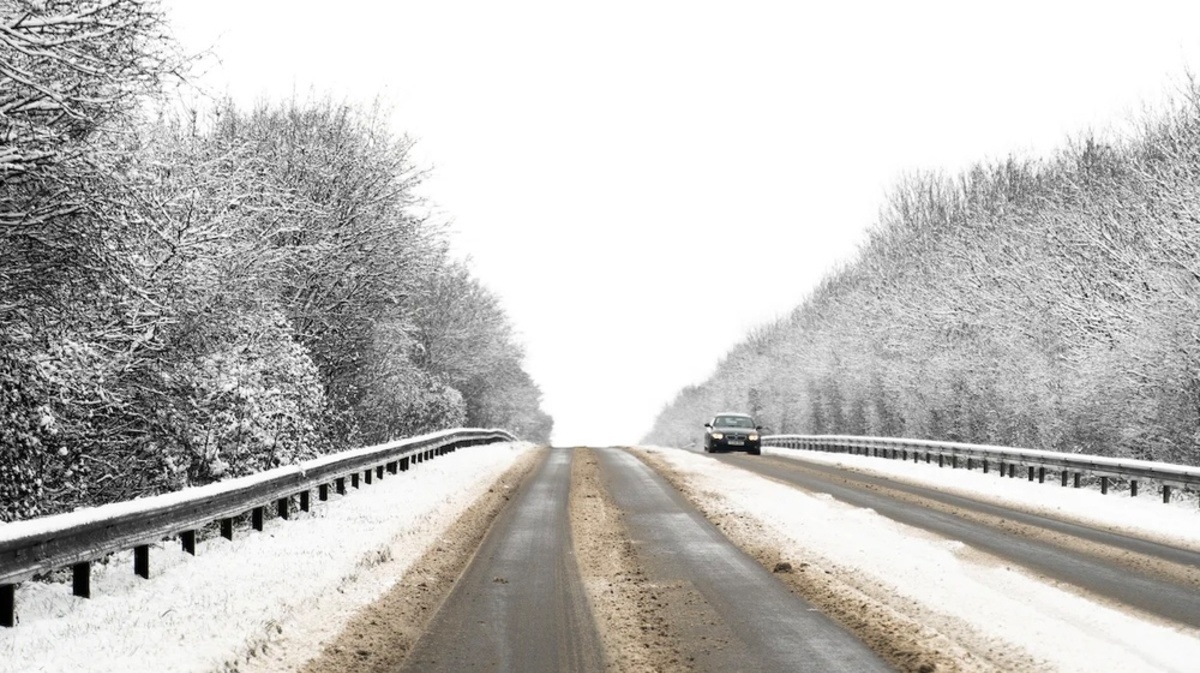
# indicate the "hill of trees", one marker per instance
pixel 188 297
pixel 1050 303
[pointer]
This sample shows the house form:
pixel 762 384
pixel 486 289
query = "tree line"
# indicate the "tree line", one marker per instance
pixel 1051 303
pixel 190 295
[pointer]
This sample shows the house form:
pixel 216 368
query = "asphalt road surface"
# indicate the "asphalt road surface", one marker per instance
pixel 598 563
pixel 521 605
pixel 718 594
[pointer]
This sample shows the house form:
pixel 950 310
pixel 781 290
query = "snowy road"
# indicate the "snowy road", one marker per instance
pixel 1159 579
pixel 714 593
pixel 656 559
pixel 520 605
pixel 692 562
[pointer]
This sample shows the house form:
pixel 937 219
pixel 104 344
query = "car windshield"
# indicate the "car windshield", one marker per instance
pixel 734 422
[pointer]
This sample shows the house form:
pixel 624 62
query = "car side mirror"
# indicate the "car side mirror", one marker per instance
pixel 708 425
pixel 758 427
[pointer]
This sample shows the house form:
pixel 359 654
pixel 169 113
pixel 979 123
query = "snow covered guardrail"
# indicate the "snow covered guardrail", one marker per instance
pixel 75 539
pixel 1071 466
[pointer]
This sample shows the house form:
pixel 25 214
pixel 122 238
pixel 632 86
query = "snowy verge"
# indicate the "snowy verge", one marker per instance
pixel 957 590
pixel 201 613
pixel 1176 523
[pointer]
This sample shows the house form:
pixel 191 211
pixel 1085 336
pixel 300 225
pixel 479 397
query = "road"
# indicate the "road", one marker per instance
pixel 599 563
pixel 521 605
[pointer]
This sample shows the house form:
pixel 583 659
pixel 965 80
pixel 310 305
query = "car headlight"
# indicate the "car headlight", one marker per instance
pixel 753 437
pixel 717 435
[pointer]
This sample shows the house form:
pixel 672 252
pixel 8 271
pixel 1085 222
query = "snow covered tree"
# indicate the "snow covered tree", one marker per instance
pixel 1047 303
pixel 190 298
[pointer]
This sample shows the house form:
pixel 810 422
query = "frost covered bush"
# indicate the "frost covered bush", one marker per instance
pixel 256 402
pixel 410 404
pixel 27 436
pixel 189 297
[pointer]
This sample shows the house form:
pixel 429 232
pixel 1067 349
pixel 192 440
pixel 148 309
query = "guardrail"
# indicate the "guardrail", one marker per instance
pixel 76 539
pixel 1006 459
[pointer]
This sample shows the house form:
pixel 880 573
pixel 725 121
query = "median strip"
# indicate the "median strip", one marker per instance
pixel 629 615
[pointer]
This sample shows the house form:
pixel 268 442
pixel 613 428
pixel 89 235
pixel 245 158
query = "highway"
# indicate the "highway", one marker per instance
pixel 601 561
pixel 521 605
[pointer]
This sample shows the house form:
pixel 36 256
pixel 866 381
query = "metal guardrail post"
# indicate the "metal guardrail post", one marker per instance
pixel 141 561
pixel 81 579
pixel 187 540
pixel 8 605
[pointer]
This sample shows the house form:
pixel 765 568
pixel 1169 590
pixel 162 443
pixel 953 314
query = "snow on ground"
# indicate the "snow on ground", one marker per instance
pixel 200 613
pixel 1066 631
pixel 1144 516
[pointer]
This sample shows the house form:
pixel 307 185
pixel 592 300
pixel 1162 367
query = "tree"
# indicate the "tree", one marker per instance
pixel 68 71
pixel 1045 303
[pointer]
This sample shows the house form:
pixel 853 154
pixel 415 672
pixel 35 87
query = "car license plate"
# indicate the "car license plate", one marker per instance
pixel 735 442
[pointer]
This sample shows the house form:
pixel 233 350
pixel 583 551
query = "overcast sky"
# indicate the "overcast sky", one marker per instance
pixel 643 182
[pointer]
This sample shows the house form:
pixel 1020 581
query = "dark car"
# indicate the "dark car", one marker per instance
pixel 732 432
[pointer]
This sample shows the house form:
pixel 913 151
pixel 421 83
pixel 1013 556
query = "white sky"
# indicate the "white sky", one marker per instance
pixel 643 182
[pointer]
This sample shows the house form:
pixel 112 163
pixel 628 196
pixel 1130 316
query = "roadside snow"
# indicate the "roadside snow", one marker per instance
pixel 200 613
pixel 1144 516
pixel 1066 631
pixel 86 515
